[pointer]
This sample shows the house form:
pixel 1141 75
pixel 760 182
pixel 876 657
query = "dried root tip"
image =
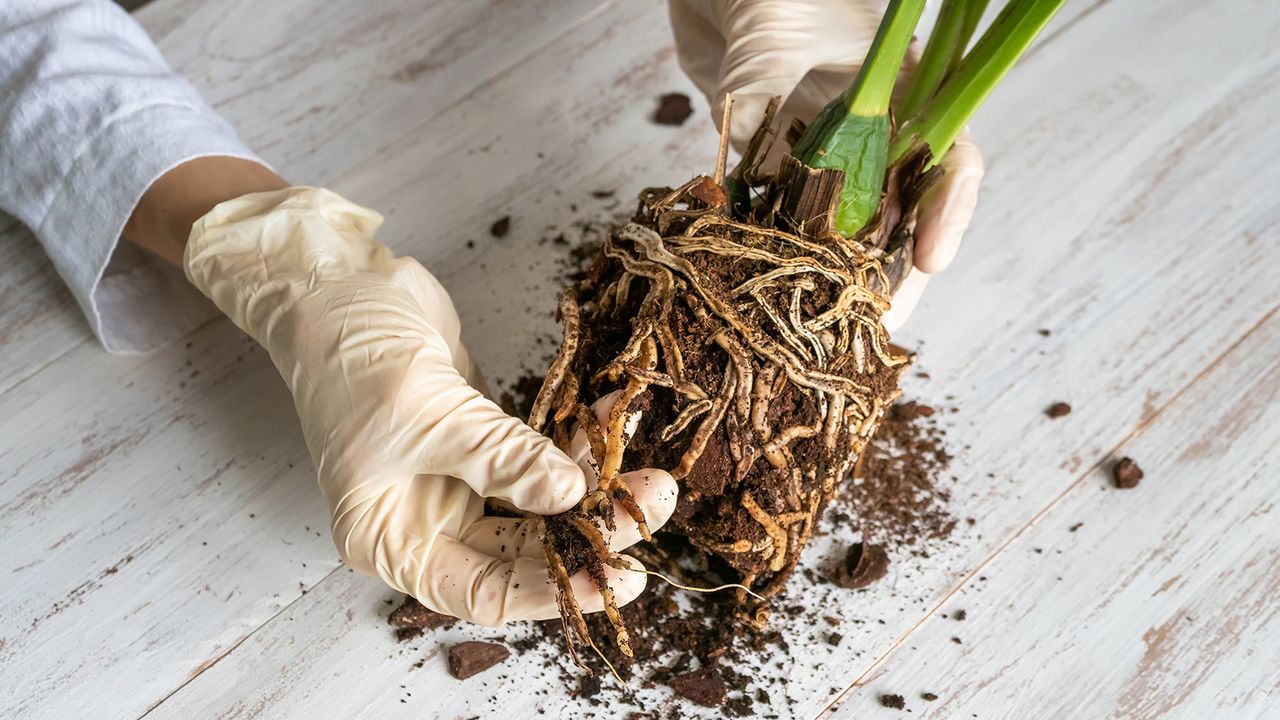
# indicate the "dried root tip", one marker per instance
pixel 592 533
pixel 568 602
pixel 568 311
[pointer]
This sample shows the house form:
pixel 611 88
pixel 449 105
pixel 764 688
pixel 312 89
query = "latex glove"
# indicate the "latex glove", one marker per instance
pixel 808 51
pixel 405 444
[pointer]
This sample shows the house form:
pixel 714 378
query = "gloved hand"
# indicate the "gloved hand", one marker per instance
pixel 405 444
pixel 808 51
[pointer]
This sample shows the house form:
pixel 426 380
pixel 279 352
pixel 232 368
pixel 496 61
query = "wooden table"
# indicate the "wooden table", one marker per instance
pixel 165 551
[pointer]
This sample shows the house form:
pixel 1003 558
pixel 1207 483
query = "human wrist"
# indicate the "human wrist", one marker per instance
pixel 161 222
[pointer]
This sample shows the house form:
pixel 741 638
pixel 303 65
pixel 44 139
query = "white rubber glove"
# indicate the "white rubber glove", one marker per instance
pixel 405 445
pixel 808 51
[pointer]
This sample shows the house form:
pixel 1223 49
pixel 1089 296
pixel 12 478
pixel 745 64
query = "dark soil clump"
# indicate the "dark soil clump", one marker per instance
pixel 412 618
pixel 673 109
pixel 862 565
pixel 500 227
pixel 472 658
pixel 703 686
pixel 1057 410
pixel 1126 474
pixel 895 702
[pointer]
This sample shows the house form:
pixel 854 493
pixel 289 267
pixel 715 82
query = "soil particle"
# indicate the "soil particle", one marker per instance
pixel 673 109
pixel 928 696
pixel 959 615
pixel 897 495
pixel 1126 473
pixel 472 657
pixel 893 701
pixel 911 410
pixel 412 618
pixel 863 564
pixel 500 227
pixel 1057 410
pixel 703 686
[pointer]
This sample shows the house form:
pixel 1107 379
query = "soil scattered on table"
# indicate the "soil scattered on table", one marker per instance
pixel 696 644
pixel 1058 410
pixel 896 496
pixel 500 227
pixel 862 565
pixel 703 686
pixel 892 507
pixel 412 619
pixel 474 657
pixel 1126 474
pixel 928 696
pixel 893 701
pixel 673 109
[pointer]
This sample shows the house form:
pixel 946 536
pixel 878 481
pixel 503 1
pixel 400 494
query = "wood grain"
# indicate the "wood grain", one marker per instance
pixel 1148 603
pixel 160 519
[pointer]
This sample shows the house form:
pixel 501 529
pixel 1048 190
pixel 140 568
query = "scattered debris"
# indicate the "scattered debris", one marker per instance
pixel 473 657
pixel 862 565
pixel 1126 473
pixel 703 686
pixel 412 618
pixel 1057 410
pixel 673 109
pixel 500 227
pixel 893 701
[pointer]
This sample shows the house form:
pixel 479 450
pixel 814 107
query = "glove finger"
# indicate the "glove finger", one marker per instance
pixel 772 47
pixel 470 438
pixel 469 584
pixel 507 538
pixel 946 209
pixel 699 45
pixel 904 301
pixel 655 492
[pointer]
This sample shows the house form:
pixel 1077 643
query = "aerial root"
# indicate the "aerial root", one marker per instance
pixel 592 533
pixel 568 312
pixel 796 324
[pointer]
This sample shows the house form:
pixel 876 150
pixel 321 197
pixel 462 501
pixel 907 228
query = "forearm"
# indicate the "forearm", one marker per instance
pixel 100 139
pixel 162 220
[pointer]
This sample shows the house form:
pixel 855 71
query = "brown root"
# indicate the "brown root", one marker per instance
pixel 750 342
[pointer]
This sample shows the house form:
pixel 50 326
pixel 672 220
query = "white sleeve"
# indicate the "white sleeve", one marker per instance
pixel 90 116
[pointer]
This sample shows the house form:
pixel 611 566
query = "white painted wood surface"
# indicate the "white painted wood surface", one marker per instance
pixel 164 546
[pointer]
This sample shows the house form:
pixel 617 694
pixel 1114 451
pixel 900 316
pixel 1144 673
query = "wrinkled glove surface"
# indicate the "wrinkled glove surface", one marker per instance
pixel 406 446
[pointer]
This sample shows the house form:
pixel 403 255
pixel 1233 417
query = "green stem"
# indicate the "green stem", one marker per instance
pixel 938 59
pixel 872 89
pixel 944 116
pixel 851 133
pixel 972 16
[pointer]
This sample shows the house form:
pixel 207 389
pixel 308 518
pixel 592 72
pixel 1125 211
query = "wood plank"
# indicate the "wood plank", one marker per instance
pixel 133 430
pixel 39 320
pixel 317 87
pixel 1156 602
pixel 313 87
pixel 1094 222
